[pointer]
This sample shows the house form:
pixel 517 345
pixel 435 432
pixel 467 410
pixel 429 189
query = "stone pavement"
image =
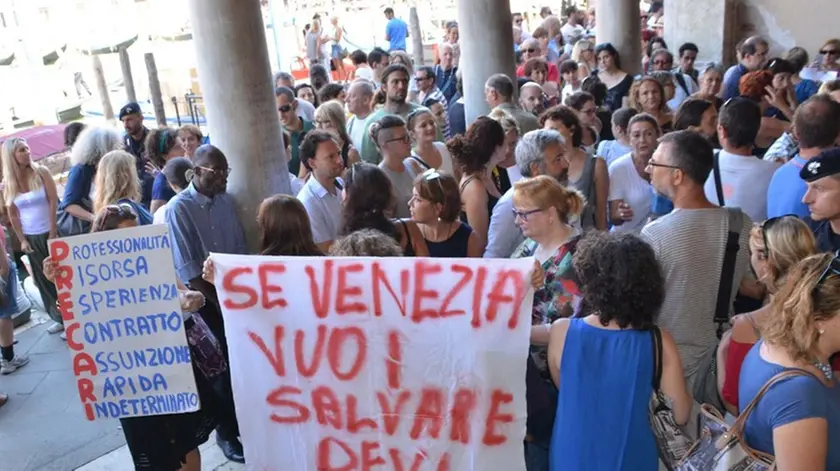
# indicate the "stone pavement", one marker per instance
pixel 43 426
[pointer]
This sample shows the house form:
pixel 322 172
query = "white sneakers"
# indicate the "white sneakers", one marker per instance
pixel 10 366
pixel 55 328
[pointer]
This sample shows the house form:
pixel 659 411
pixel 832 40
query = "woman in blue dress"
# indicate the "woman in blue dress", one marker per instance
pixel 603 363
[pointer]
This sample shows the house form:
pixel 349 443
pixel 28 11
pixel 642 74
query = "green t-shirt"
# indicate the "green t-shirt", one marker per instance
pixel 369 153
pixel 297 138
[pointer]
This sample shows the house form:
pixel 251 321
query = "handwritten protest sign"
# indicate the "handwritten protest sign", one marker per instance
pixel 345 364
pixel 118 298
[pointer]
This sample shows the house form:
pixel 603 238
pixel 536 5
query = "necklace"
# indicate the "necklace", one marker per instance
pixel 825 369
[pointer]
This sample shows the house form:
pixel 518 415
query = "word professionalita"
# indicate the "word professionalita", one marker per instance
pixel 125 329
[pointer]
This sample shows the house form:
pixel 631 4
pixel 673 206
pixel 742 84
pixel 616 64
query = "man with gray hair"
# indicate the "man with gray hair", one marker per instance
pixel 661 60
pixel 305 109
pixel 360 105
pixel 540 152
pixel 499 94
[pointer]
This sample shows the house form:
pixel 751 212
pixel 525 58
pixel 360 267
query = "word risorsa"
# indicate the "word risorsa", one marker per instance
pixel 343 288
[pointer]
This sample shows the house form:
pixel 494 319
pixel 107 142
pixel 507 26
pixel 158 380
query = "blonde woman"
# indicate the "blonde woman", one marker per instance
pixel 647 95
pixel 798 420
pixel 117 184
pixel 32 201
pixel 776 245
pixel 583 53
pixel 330 117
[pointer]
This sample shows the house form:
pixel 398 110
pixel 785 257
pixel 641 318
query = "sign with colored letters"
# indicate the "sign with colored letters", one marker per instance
pixel 344 364
pixel 117 295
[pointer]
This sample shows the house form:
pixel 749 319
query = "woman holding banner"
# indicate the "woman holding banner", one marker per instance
pixel 170 442
pixel 543 208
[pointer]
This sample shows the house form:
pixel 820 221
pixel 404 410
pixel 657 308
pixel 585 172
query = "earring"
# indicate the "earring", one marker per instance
pixel 821 331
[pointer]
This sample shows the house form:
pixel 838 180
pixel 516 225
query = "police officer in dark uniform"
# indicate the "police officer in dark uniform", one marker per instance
pixel 822 175
pixel 135 143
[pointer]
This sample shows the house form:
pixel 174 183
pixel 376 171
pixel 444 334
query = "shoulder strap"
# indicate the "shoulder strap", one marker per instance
pixel 407 234
pixel 738 426
pixel 728 268
pixel 718 180
pixel 420 161
pixel 467 182
pixel 681 80
pixel 657 357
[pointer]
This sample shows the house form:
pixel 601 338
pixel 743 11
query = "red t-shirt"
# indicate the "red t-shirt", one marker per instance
pixel 553 74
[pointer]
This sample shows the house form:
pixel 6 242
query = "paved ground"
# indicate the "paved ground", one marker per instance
pixel 43 427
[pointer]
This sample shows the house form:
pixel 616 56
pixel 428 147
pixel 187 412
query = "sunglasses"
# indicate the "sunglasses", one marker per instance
pixel 530 50
pixel 765 228
pixel 830 52
pixel 284 108
pixel 833 268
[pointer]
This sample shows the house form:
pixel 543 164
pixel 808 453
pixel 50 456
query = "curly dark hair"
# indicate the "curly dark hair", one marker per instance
pixel 473 151
pixel 569 117
pixel 369 197
pixel 608 266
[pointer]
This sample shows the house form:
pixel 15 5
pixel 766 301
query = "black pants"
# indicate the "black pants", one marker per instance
pixel 40 251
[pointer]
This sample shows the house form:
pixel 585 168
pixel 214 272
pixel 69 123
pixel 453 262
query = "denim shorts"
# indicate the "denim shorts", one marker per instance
pixel 11 284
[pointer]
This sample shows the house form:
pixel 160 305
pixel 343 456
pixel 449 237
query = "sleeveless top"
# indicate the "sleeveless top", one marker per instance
pixel 34 209
pixel 445 158
pixel 453 247
pixel 491 200
pixel 586 185
pixel 595 428
pixel 408 251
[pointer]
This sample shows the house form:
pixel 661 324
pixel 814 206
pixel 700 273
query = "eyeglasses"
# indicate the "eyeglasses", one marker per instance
pixel 531 50
pixel 833 268
pixel 662 62
pixel 830 52
pixel 524 214
pixel 420 79
pixel 284 108
pixel 216 171
pixel 404 139
pixel 651 163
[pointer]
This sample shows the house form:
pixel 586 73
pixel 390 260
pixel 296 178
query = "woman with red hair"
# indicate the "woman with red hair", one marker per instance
pixel 758 86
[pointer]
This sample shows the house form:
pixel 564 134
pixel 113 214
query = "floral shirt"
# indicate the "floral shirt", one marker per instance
pixel 559 295
pixel 555 299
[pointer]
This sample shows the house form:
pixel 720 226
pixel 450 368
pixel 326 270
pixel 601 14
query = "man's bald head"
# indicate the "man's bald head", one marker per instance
pixel 209 155
pixel 532 98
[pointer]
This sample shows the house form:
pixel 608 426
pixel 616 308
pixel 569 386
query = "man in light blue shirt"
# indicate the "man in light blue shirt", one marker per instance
pixel 321 196
pixel 540 152
pixel 396 31
pixel 816 124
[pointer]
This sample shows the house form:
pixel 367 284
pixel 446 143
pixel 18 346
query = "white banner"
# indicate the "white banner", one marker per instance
pixel 344 364
pixel 119 301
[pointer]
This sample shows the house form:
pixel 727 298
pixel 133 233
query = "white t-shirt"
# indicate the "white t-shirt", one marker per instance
pixel 160 215
pixel 626 184
pixel 569 32
pixel 745 181
pixel 356 129
pixel 364 73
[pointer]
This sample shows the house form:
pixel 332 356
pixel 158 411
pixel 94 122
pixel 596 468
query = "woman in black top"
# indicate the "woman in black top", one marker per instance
pixel 369 203
pixel 435 206
pixel 475 156
pixel 618 82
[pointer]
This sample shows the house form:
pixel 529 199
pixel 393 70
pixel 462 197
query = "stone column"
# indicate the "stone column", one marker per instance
pixel 715 38
pixel 618 23
pixel 235 77
pixel 486 49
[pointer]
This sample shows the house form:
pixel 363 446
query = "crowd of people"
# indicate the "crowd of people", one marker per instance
pixel 701 207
